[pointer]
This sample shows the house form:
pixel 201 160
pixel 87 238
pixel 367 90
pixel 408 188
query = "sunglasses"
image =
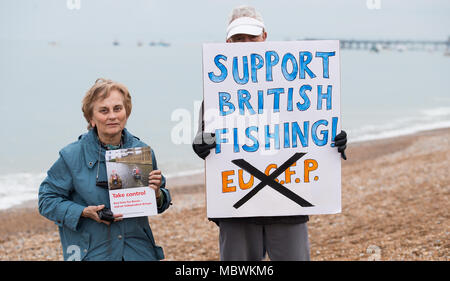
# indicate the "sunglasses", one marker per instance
pixel 103 184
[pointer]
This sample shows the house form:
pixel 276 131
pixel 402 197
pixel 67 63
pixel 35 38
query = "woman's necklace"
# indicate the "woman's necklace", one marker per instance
pixel 111 146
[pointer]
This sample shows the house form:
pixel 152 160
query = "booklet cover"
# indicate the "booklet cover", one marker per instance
pixel 128 171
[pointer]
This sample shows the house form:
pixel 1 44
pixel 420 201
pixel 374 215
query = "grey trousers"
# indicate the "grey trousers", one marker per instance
pixel 244 241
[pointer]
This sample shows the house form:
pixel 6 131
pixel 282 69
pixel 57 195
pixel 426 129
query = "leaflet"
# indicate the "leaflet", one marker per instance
pixel 128 171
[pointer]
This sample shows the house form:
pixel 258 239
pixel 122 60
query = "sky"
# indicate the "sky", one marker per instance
pixel 97 21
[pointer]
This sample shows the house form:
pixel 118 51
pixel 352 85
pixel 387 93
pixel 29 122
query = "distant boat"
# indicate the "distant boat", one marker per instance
pixel 164 44
pixel 160 43
pixel 53 43
pixel 116 43
pixel 139 44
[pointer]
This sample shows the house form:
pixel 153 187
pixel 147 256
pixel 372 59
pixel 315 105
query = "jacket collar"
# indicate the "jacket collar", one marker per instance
pixel 93 151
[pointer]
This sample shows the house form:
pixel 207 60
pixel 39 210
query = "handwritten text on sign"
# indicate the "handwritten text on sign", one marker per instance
pixel 272 104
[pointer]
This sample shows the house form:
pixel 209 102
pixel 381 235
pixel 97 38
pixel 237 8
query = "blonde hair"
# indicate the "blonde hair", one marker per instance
pixel 245 11
pixel 100 91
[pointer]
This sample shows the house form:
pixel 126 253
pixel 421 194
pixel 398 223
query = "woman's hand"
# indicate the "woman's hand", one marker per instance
pixel 155 181
pixel 91 212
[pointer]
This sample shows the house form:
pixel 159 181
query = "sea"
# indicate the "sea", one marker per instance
pixel 383 94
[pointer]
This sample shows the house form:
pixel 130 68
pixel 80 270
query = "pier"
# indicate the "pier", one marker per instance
pixel 397 45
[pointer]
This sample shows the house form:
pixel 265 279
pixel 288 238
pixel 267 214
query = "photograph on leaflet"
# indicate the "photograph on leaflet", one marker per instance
pixel 128 168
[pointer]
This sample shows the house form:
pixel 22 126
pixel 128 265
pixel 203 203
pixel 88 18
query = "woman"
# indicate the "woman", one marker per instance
pixel 76 186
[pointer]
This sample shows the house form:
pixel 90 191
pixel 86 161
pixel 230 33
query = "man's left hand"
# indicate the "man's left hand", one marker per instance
pixel 340 141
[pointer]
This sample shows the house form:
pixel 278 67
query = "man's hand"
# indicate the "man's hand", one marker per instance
pixel 341 143
pixel 203 143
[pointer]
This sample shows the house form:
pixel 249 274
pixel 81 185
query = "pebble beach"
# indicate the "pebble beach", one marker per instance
pixel 395 202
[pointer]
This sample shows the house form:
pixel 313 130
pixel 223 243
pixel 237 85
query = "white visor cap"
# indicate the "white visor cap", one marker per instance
pixel 245 25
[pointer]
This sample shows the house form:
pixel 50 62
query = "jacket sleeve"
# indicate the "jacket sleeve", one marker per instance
pixel 201 123
pixel 54 196
pixel 166 193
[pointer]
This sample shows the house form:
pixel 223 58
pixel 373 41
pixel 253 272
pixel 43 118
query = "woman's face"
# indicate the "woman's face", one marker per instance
pixel 109 116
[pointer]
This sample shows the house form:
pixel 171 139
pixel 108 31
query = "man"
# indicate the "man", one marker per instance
pixel 282 237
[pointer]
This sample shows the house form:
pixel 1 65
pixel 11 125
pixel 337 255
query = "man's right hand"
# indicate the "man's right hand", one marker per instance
pixel 203 143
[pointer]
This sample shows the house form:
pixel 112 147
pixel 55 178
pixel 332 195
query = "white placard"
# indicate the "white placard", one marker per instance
pixel 269 103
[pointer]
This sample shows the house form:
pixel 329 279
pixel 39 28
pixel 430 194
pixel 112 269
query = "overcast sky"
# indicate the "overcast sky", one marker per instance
pixel 206 20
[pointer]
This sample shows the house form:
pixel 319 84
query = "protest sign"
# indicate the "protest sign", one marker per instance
pixel 274 108
pixel 128 171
